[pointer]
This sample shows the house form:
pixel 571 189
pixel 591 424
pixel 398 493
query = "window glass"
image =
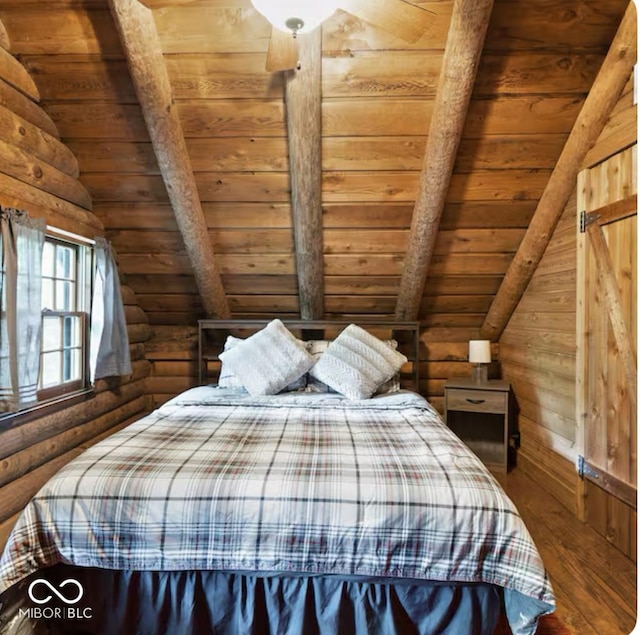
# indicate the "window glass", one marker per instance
pixel 48 260
pixel 50 373
pixel 66 286
pixel 65 298
pixel 47 293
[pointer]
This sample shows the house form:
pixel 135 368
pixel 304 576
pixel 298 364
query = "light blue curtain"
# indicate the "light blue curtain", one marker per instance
pixel 109 339
pixel 21 315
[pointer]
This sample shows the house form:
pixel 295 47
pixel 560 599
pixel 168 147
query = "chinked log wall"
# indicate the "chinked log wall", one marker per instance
pixel 538 347
pixel 39 174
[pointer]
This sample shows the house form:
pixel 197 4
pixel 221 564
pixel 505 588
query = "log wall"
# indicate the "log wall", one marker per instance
pixel 38 173
pixel 538 347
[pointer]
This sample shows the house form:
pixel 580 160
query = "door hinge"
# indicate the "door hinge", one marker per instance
pixel 584 469
pixel 586 218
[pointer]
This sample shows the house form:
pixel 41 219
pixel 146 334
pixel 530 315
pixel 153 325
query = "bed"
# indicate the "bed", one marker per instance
pixel 304 511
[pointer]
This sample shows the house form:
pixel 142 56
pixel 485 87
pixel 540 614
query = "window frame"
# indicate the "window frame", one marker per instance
pixel 73 385
pixel 83 281
pixel 65 394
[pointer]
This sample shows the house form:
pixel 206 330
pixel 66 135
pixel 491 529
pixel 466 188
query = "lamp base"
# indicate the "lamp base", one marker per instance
pixel 480 374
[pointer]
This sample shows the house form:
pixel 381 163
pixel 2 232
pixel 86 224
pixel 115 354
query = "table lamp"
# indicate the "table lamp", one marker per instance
pixel 480 357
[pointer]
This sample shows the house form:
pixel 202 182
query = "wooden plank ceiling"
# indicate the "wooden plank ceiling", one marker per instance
pixel 377 97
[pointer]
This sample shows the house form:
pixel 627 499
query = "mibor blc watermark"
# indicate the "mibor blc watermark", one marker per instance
pixel 69 592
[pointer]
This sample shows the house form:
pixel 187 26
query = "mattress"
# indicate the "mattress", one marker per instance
pixel 291 485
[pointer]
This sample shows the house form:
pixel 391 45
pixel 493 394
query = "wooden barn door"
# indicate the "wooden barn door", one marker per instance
pixel 606 370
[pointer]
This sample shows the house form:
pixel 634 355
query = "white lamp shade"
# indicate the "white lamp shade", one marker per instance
pixel 480 351
pixel 310 13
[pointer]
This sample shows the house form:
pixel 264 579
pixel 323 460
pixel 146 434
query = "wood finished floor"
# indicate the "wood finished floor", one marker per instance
pixel 595 585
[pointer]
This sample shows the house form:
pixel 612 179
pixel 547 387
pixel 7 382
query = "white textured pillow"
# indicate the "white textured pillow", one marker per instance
pixel 356 363
pixel 318 347
pixel 268 360
pixel 227 378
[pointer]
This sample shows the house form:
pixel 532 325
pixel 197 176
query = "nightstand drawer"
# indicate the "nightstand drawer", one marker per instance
pixel 476 400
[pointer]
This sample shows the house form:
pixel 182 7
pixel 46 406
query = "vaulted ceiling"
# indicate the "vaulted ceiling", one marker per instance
pixel 377 95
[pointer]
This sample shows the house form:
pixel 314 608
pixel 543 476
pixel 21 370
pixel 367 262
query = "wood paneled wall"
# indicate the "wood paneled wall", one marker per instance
pixel 39 174
pixel 537 354
pixel 173 353
pixel 538 347
pixel 620 131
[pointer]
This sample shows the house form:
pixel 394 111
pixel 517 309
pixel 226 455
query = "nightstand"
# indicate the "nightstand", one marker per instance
pixel 479 415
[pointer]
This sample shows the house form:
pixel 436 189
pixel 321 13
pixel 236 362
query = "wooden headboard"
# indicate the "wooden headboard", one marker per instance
pixel 213 333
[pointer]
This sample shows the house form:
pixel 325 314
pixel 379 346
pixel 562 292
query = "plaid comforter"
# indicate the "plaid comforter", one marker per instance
pixel 297 483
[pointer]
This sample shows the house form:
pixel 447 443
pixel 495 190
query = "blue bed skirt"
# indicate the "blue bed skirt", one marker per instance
pixel 208 602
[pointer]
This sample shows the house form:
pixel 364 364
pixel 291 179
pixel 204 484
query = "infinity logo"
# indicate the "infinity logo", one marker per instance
pixel 66 600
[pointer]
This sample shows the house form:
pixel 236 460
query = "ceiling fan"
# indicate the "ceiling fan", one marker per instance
pixel 290 17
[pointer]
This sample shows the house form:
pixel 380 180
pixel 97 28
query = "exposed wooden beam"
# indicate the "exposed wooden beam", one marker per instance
pixel 303 99
pixel 604 94
pixel 465 40
pixel 149 74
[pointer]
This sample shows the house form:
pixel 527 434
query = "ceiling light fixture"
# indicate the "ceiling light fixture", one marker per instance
pixel 294 16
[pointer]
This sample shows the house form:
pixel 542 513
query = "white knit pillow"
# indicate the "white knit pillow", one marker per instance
pixel 318 347
pixel 356 363
pixel 228 379
pixel 268 360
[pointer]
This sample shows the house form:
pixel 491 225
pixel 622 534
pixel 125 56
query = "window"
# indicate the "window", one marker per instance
pixel 66 293
pixel 46 287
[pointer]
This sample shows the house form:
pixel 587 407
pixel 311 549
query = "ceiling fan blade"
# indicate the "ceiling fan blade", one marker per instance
pixel 397 17
pixel 282 54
